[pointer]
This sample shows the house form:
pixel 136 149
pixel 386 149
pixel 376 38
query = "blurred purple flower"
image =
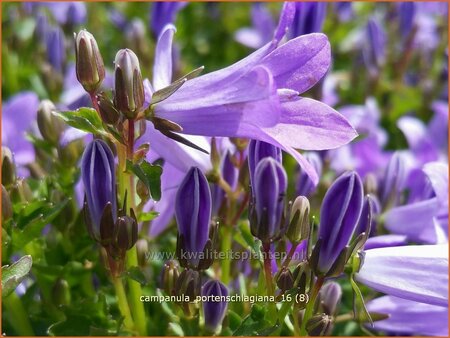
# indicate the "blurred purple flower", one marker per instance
pixel 385 241
pixel 68 12
pixel 344 10
pixel 374 46
pixel 309 18
pixel 407 317
pixel 304 185
pixel 163 13
pixel 19 116
pixel 407 12
pixel 416 272
pixel 55 45
pixel 214 311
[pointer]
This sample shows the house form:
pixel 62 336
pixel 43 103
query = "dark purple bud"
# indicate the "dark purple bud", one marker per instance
pixel 7 209
pixel 309 17
pixel 98 175
pixel 230 175
pixel 371 208
pixel 339 215
pixel 257 150
pixel 188 284
pixel 407 12
pixel 8 167
pixel 49 125
pixel 393 180
pixel 267 205
pixel 193 215
pixel 129 87
pixel 214 309
pixel 89 62
pixel 108 112
pixel 285 280
pixel 305 187
pixel 126 232
pixel 299 225
pixel 330 297
pixel 56 50
pixel 374 47
pixel 319 325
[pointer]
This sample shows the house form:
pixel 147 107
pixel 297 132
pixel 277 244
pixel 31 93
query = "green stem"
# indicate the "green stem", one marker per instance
pixel 226 247
pixel 18 317
pixel 123 303
pixel 269 281
pixel 310 306
pixel 289 256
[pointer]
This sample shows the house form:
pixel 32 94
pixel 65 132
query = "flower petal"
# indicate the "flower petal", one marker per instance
pixel 415 272
pixel 162 67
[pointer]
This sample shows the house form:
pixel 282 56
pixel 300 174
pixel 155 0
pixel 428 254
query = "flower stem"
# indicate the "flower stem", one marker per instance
pixel 310 306
pixel 123 303
pixel 268 269
pixel 289 256
pixel 226 247
pixel 18 317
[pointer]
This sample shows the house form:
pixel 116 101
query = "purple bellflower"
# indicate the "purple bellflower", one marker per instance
pixel 416 272
pixel 309 18
pixel 407 317
pixel 214 311
pixel 98 175
pixel 257 150
pixel 339 215
pixel 267 205
pixel 344 10
pixel 407 12
pixel 383 241
pixel 374 47
pixel 304 185
pixel 163 13
pixel 193 215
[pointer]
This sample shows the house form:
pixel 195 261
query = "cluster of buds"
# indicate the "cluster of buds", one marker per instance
pixel 107 225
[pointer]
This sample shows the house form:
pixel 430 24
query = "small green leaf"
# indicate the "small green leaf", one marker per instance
pixel 85 119
pixel 165 92
pixel 358 303
pixel 13 274
pixel 150 175
pixel 176 330
pixel 147 216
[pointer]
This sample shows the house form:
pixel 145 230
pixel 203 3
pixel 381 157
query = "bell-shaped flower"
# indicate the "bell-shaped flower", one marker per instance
pixel 214 309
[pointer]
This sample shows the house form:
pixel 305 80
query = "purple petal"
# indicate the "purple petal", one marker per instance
pixel 286 17
pixel 385 241
pixel 437 172
pixel 249 37
pixel 262 21
pixel 311 125
pixel 416 272
pixel 162 67
pixel 301 62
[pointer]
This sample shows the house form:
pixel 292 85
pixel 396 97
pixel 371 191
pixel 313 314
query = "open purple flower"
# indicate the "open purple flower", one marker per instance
pixel 98 175
pixel 416 272
pixel 339 215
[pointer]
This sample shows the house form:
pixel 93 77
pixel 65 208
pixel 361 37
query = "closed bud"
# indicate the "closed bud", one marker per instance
pixel 330 297
pixel 169 277
pixel 305 186
pixel 319 325
pixel 129 87
pixel 299 225
pixel 89 62
pixel 142 190
pixel 339 216
pixel 108 112
pixel 193 215
pixel 20 192
pixel 214 311
pixel 266 212
pixel 8 167
pixel 49 125
pixel 142 251
pixel 61 293
pixel 70 153
pixel 98 175
pixel 7 210
pixel 257 150
pixel 393 181
pixel 285 280
pixel 371 208
pixel 188 284
pixel 370 184
pixel 302 278
pixel 127 232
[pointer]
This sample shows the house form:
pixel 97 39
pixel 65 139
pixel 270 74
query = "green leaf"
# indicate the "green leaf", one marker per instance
pixel 359 303
pixel 136 274
pixel 150 175
pixel 176 330
pixel 85 119
pixel 13 274
pixel 77 325
pixel 147 216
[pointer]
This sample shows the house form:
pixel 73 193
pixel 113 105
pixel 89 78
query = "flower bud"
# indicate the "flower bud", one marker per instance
pixel 393 180
pixel 7 210
pixel 299 226
pixel 309 18
pixel 267 206
pixel 142 251
pixel 188 284
pixel 89 62
pixel 374 49
pixel 319 325
pixel 330 297
pixel 61 293
pixel 70 153
pixel 339 215
pixel 49 125
pixel 169 277
pixel 126 233
pixel 129 87
pixel 108 112
pixel 98 175
pixel 55 46
pixel 214 311
pixel 193 215
pixel 8 167
pixel 257 150
pixel 371 208
pixel 370 184
pixel 306 187
pixel 20 192
pixel 285 280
